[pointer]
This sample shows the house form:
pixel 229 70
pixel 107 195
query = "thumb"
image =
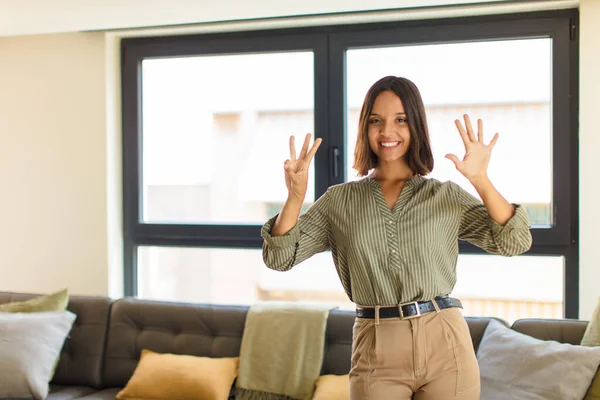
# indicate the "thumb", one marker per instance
pixel 286 165
pixel 454 159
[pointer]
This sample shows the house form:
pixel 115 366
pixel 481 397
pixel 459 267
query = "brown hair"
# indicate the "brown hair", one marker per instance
pixel 419 157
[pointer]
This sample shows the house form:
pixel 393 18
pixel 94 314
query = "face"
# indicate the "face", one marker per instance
pixel 388 131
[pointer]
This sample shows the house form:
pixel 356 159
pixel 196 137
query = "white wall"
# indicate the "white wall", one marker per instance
pixel 60 162
pixel 589 162
pixel 44 16
pixel 53 163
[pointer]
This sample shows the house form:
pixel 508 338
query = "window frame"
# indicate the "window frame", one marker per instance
pixel 133 52
pixel 329 44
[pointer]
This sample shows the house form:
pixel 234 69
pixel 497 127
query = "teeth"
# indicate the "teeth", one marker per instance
pixel 389 144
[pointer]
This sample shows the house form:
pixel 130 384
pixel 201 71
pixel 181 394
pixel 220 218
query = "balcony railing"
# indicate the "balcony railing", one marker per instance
pixel 506 309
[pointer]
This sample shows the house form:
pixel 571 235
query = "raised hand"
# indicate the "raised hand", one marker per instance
pixel 296 169
pixel 477 154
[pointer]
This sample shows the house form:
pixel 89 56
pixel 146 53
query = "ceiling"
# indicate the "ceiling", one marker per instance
pixel 26 17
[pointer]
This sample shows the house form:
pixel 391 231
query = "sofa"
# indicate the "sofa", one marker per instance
pixel 103 348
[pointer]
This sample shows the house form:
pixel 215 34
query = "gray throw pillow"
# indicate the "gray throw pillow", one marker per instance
pixel 29 346
pixel 517 366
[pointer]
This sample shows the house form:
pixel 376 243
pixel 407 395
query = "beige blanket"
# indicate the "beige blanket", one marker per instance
pixel 282 351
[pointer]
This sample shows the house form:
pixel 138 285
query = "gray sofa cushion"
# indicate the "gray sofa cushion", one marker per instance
pixel 338 343
pixel 563 330
pixel 58 392
pixel 106 394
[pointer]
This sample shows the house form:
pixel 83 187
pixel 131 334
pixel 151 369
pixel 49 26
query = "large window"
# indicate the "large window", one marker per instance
pixel 206 125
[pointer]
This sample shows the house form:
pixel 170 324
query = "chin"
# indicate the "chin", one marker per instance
pixel 393 157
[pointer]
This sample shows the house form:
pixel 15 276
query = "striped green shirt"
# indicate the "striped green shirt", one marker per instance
pixel 385 257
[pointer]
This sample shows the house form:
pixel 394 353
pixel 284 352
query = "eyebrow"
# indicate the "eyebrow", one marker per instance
pixel 377 115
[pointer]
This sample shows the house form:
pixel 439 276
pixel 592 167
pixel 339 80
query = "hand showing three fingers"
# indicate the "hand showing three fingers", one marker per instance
pixel 296 169
pixel 477 154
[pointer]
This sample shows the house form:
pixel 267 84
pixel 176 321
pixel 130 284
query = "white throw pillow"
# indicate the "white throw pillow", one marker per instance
pixel 517 366
pixel 29 346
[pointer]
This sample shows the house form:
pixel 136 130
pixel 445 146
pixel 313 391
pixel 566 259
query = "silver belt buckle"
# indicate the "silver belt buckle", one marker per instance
pixel 416 304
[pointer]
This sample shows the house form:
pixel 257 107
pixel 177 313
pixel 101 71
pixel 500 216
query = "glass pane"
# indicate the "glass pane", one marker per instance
pixel 506 83
pixel 234 276
pixel 511 287
pixel 508 288
pixel 216 132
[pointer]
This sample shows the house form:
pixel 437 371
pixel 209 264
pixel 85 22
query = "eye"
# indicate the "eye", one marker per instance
pixel 401 120
pixel 374 121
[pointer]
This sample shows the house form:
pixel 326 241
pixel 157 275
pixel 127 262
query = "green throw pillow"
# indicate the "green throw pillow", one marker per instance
pixel 591 338
pixel 52 302
pixel 593 392
pixel 48 303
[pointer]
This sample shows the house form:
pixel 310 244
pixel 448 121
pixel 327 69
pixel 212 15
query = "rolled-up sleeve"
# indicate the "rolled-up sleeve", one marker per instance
pixel 310 235
pixel 478 227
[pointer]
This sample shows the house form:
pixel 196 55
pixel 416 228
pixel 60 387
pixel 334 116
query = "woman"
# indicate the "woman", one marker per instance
pixel 394 239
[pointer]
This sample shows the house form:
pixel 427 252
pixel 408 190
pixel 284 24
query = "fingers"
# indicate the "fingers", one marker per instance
pixel 467 133
pixel 469 128
pixel 304 150
pixel 462 132
pixel 454 159
pixel 494 140
pixel 314 149
pixel 305 154
pixel 292 149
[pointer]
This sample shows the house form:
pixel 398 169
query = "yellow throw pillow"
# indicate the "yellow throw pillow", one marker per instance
pixel 52 302
pixel 332 387
pixel 593 392
pixel 182 377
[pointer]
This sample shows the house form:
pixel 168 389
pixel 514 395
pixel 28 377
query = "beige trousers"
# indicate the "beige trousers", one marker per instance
pixel 425 358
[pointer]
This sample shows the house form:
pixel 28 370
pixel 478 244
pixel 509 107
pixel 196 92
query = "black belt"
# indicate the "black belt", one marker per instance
pixel 409 310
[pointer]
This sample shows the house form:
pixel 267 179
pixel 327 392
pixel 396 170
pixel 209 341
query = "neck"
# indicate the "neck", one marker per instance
pixel 392 172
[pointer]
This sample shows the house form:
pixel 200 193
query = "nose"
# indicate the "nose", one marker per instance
pixel 388 127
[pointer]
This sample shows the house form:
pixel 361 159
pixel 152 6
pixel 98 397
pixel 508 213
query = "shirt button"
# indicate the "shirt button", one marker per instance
pixel 390 221
pixel 393 251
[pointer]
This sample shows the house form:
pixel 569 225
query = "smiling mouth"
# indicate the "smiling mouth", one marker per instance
pixel 389 145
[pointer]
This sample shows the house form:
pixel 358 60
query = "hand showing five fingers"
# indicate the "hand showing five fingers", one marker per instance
pixel 296 169
pixel 477 154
